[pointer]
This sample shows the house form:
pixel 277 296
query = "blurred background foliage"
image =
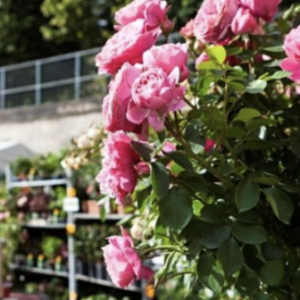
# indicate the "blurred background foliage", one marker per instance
pixel 43 28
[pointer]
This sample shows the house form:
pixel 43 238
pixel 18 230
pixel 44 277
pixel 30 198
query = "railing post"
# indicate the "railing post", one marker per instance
pixel 2 87
pixel 38 79
pixel 77 74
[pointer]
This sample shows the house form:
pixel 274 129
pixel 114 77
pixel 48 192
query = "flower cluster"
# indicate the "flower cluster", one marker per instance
pixel 123 263
pixel 292 50
pixel 146 86
pixel 218 20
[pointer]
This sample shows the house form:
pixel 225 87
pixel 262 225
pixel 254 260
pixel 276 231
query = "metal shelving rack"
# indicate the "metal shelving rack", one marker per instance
pixel 72 218
pixel 10 184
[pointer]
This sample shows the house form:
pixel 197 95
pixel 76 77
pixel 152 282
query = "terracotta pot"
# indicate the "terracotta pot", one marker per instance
pixel 92 207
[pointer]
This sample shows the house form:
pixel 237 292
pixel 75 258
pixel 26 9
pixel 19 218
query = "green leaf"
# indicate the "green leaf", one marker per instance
pixel 215 236
pixel 246 195
pixel 217 52
pixel 176 208
pixel 257 123
pixel 210 274
pixel 208 65
pixel 296 281
pixel 278 75
pixel 256 86
pixel 214 213
pixel 248 285
pixel 272 272
pixel 247 114
pixel 160 179
pixel 181 159
pixel 193 297
pixel 143 150
pixel 266 180
pixel 262 296
pixel 278 48
pixel 231 257
pixel 280 203
pixel 249 234
pixel 272 251
pixel 237 87
pixel 234 50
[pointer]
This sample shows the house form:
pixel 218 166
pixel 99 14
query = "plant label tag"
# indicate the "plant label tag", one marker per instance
pixel 71 204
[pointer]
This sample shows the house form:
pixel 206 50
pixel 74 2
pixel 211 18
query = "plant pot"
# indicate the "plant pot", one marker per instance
pixel 100 270
pixel 121 209
pixel 91 269
pixel 79 267
pixel 107 277
pixel 92 207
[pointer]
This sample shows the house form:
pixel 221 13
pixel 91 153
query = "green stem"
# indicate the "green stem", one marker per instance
pixel 163 247
pixel 179 274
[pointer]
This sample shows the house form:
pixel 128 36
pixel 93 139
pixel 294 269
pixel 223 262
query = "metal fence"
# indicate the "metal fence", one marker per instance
pixel 58 78
pixel 54 79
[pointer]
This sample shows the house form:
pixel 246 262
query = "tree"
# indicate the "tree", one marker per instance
pixel 20 37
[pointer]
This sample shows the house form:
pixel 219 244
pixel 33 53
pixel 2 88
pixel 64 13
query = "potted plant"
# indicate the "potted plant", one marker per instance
pixel 51 247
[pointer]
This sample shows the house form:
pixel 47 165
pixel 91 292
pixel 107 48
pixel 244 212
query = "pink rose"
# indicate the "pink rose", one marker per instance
pixel 169 147
pixel 154 94
pixel 123 262
pixel 152 11
pixel 188 30
pixel 292 66
pixel 209 145
pixel 115 104
pixel 244 22
pixel 292 50
pixel 212 23
pixel 127 45
pixel 202 58
pixel 265 9
pixel 292 44
pixel 167 57
pixel 118 176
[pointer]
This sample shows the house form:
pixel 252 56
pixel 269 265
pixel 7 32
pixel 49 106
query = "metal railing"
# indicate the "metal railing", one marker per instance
pixel 71 76
pixel 59 78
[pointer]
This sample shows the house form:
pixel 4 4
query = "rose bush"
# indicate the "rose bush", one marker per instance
pixel 214 165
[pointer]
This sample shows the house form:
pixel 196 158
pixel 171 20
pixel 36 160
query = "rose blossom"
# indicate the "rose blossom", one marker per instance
pixel 127 45
pixel 202 58
pixel 292 44
pixel 292 50
pixel 167 57
pixel 209 145
pixel 265 9
pixel 244 22
pixel 152 11
pixel 154 94
pixel 115 104
pixel 212 23
pixel 123 262
pixel 118 176
pixel 188 30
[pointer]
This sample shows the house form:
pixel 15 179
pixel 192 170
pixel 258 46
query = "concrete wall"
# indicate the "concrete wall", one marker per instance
pixel 49 127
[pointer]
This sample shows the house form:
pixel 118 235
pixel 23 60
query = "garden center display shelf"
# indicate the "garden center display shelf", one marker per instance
pixel 37 183
pixel 105 283
pixel 39 271
pixel 44 226
pixel 109 217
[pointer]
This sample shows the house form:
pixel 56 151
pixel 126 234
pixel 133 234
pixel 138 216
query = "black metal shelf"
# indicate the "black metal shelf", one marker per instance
pixel 44 226
pixel 40 271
